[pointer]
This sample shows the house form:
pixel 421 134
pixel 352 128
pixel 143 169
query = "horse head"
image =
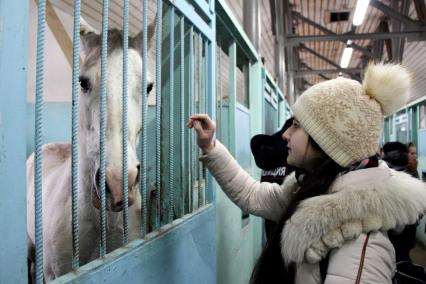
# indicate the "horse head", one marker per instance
pixel 90 97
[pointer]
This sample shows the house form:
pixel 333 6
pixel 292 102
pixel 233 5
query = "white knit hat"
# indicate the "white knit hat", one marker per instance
pixel 345 118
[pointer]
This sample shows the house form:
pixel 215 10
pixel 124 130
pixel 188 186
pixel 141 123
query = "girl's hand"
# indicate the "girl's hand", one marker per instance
pixel 205 128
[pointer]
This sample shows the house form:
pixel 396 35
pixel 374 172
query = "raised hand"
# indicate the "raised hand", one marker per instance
pixel 205 128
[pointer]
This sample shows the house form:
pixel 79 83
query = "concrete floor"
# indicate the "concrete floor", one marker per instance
pixel 418 254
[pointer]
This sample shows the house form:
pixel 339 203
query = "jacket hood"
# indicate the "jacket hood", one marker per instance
pixel 358 202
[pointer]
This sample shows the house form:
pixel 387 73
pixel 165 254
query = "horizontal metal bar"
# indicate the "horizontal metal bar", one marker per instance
pixel 188 11
pixel 410 35
pixel 408 22
pixel 301 73
pixel 330 32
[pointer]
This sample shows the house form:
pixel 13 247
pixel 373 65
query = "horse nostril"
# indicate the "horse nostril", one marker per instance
pixel 119 204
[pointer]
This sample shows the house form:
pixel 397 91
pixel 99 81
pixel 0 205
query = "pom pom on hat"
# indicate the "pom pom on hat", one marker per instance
pixel 388 84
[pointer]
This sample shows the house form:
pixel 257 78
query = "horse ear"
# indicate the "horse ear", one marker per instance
pixel 137 41
pixel 89 36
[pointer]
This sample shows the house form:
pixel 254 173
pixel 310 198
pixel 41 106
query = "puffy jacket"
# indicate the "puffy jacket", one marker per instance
pixel 361 203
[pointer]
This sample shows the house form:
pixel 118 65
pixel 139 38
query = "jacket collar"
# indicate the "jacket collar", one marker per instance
pixel 359 201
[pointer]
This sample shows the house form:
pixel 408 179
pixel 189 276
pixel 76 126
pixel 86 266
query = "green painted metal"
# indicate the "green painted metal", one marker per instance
pixel 13 79
pixel 232 93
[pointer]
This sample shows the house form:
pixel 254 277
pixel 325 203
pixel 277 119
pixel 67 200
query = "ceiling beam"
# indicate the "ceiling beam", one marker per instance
pixel 301 73
pixel 311 69
pixel 332 63
pixel 410 35
pixel 329 32
pixel 420 9
pixel 407 21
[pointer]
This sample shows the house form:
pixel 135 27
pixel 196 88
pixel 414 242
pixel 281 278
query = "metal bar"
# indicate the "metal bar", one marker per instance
pixel 75 125
pixel 191 110
pixel 182 109
pixel 171 112
pixel 38 142
pixel 408 22
pixel 102 167
pixel 125 173
pixel 188 11
pixel 410 35
pixel 301 73
pixel 158 111
pixel 421 10
pixel 143 139
pixel 232 53
pixel 329 32
pixel 205 110
pixel 200 110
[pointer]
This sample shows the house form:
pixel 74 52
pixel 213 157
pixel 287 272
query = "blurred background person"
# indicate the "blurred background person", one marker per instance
pixel 412 160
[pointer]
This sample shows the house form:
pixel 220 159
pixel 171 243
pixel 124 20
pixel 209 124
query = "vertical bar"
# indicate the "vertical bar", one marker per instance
pixel 158 110
pixel 75 106
pixel 232 95
pixel 13 122
pixel 102 137
pixel 182 108
pixel 143 181
pixel 171 112
pixel 206 103
pixel 125 173
pixel 38 141
pixel 200 109
pixel 191 107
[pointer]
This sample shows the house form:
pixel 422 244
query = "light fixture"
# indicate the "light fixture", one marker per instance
pixel 346 57
pixel 360 10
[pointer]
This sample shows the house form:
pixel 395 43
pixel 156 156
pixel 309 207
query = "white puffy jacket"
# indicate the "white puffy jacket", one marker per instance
pixel 350 221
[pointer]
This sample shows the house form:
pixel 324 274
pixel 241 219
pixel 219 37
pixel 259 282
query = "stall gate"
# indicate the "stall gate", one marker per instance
pixel 177 245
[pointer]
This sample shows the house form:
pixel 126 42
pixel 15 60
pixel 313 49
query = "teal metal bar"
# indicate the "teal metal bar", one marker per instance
pixel 182 110
pixel 102 146
pixel 143 139
pixel 158 110
pixel 201 110
pixel 125 173
pixel 171 113
pixel 232 52
pixel 192 109
pixel 13 123
pixel 38 142
pixel 188 11
pixel 74 158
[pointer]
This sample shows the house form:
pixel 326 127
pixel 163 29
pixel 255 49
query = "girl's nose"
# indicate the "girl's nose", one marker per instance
pixel 286 135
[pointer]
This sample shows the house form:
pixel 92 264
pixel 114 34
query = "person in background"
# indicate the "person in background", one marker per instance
pixel 339 203
pixel 412 160
pixel 270 155
pixel 395 154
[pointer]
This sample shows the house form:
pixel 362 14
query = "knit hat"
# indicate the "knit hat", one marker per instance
pixel 345 118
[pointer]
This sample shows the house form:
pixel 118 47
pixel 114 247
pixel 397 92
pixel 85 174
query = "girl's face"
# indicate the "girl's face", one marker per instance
pixel 301 153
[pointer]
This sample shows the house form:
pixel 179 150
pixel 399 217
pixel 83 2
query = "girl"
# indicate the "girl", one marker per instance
pixel 340 202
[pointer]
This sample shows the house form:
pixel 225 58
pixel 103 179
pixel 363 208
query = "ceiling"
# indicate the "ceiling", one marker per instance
pixel 318 60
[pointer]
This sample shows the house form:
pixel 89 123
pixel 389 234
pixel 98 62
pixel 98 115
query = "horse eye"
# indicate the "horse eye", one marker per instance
pixel 84 84
pixel 149 88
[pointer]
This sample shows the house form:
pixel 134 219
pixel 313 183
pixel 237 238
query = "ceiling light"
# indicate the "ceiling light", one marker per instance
pixel 360 10
pixel 346 57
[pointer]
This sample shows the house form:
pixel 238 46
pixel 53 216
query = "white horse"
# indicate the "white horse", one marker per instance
pixel 56 168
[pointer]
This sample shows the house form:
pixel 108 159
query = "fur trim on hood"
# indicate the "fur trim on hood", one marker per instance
pixel 360 201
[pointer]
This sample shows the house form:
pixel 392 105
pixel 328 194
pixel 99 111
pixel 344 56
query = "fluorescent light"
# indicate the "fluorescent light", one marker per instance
pixel 346 57
pixel 360 10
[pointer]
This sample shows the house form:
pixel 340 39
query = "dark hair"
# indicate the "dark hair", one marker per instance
pixel 270 267
pixel 411 144
pixel 395 154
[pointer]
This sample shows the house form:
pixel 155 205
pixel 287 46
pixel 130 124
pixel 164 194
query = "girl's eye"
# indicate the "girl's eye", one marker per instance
pixel 84 84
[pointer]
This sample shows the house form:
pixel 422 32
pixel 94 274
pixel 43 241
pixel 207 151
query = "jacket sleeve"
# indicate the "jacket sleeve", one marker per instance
pixel 267 200
pixel 378 266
